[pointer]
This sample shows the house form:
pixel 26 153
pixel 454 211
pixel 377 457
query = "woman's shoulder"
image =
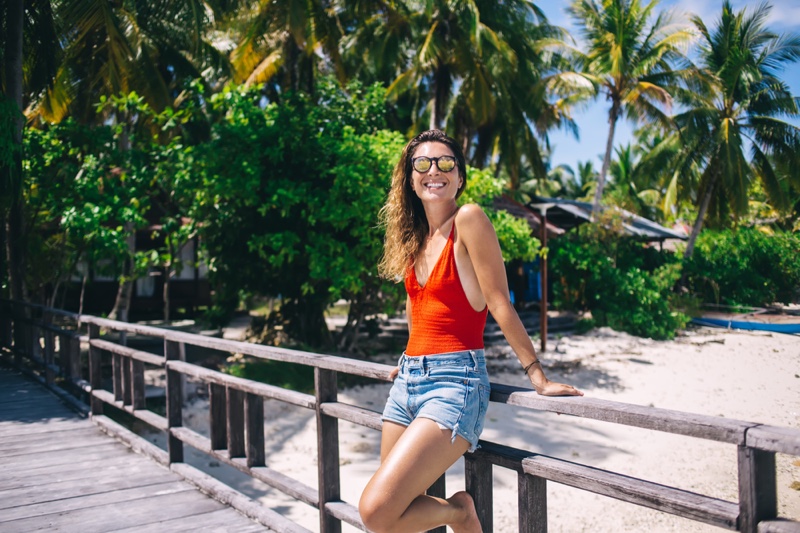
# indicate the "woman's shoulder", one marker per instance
pixel 471 219
pixel 470 213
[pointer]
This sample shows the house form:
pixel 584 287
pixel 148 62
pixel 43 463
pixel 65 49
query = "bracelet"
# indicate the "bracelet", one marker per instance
pixel 525 370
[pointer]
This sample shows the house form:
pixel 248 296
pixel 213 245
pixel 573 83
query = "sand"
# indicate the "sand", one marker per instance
pixel 750 376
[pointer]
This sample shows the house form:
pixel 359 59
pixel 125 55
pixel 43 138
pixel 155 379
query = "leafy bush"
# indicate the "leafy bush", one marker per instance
pixel 625 284
pixel 747 266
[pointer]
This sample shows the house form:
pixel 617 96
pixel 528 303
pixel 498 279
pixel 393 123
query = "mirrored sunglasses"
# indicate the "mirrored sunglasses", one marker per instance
pixel 444 163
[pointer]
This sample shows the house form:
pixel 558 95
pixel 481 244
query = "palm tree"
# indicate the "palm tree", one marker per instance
pixel 743 111
pixel 11 162
pixel 114 47
pixel 29 52
pixel 469 66
pixel 279 44
pixel 631 61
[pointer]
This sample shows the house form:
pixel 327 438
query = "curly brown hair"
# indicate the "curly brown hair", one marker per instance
pixel 403 215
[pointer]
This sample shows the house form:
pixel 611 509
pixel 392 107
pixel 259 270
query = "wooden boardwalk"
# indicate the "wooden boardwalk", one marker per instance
pixel 59 472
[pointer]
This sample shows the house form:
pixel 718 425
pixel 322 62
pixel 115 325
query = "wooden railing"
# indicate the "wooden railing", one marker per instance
pixel 48 342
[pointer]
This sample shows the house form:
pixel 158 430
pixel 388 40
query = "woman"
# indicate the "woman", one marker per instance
pixel 454 274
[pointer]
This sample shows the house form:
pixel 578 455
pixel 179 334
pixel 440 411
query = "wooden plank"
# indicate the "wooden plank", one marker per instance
pixel 74 432
pixel 346 513
pixel 218 414
pixel 9 430
pixel 59 489
pixel 758 491
pixel 531 504
pixel 327 362
pixel 237 500
pixel 438 490
pixel 234 400
pixel 325 385
pixel 478 478
pixel 33 411
pixel 254 430
pixel 174 352
pixel 780 525
pixel 146 505
pixel 95 369
pixel 287 485
pixel 775 439
pixel 215 521
pixel 677 422
pixel 83 470
pixel 679 502
pixel 128 353
pixel 18 451
pixel 351 413
pixel 96 453
pixel 244 385
pixel 13 518
pixel 136 443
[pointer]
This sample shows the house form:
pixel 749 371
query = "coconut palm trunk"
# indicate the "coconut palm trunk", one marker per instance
pixel 701 215
pixel 15 238
pixel 613 117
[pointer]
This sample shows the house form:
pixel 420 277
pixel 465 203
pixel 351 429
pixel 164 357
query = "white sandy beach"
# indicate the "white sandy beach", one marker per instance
pixel 748 376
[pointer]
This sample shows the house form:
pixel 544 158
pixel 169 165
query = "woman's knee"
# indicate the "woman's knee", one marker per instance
pixel 376 512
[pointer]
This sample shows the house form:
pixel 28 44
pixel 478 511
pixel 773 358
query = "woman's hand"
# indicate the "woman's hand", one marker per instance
pixel 393 373
pixel 553 388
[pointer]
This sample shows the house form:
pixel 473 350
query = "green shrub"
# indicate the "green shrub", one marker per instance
pixel 625 284
pixel 745 267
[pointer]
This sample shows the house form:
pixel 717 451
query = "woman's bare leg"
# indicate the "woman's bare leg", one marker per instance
pixel 390 434
pixel 394 498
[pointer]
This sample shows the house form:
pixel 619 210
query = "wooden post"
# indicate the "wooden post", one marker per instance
pixel 19 333
pixel 478 476
pixel 532 503
pixel 254 429
pixel 438 490
pixel 172 352
pixel 758 495
pixel 116 371
pixel 235 402
pixel 75 356
pixel 138 400
pixel 127 380
pixel 5 326
pixel 543 276
pixel 218 419
pixel 63 353
pixel 327 449
pixel 95 370
pixel 49 352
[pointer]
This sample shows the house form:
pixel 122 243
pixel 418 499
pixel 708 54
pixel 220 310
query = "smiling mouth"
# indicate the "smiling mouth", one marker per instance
pixel 434 185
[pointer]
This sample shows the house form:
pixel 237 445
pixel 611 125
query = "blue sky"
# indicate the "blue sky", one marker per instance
pixel 593 120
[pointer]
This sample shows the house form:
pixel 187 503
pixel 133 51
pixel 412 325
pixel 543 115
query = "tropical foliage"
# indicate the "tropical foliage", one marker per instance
pixel 635 58
pixel 265 131
pixel 624 284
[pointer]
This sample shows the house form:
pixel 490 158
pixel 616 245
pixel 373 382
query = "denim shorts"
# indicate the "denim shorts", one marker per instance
pixel 452 389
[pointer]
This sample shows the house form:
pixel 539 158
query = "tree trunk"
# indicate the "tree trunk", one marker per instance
pixel 15 238
pixel 440 90
pixel 123 301
pixel 698 223
pixel 83 291
pixel 613 116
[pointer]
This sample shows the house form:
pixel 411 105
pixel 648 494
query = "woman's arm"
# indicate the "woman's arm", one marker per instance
pixel 480 240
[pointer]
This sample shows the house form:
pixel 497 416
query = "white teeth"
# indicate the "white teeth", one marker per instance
pixel 434 185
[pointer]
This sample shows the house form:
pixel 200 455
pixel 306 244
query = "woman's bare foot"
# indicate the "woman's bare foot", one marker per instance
pixel 470 524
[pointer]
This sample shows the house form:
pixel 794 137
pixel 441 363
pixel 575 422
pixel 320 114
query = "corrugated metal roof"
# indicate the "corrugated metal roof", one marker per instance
pixel 568 214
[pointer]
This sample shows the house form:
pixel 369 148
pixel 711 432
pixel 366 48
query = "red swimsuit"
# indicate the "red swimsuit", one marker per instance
pixel 442 318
